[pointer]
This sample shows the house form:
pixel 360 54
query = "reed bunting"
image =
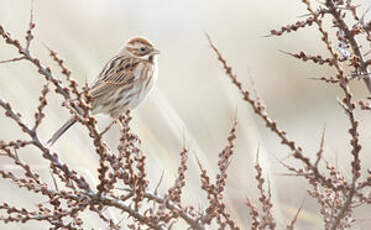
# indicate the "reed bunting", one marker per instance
pixel 123 83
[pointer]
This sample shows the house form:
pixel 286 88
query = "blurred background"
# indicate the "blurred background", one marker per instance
pixel 194 103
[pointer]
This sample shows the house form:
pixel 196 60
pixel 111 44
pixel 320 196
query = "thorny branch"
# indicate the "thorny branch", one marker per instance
pixel 345 36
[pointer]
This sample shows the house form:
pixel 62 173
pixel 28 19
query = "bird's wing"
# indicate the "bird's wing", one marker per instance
pixel 117 72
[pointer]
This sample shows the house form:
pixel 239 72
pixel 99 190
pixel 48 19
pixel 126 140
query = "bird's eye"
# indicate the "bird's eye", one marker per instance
pixel 142 49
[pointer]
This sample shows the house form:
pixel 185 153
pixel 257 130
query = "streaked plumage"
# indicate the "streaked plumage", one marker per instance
pixel 124 81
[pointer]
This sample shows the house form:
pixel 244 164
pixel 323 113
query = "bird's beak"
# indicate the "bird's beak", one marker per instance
pixel 155 52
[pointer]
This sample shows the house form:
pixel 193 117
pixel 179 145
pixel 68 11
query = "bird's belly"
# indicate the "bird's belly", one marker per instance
pixel 144 88
pixel 141 95
pixel 120 103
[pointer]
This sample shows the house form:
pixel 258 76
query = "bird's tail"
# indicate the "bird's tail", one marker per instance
pixel 60 131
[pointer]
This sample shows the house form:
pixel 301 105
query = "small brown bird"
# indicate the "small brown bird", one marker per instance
pixel 123 83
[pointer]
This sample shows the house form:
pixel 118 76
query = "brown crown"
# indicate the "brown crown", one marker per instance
pixel 140 40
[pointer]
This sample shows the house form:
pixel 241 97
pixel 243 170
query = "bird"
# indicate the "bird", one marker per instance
pixel 123 83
